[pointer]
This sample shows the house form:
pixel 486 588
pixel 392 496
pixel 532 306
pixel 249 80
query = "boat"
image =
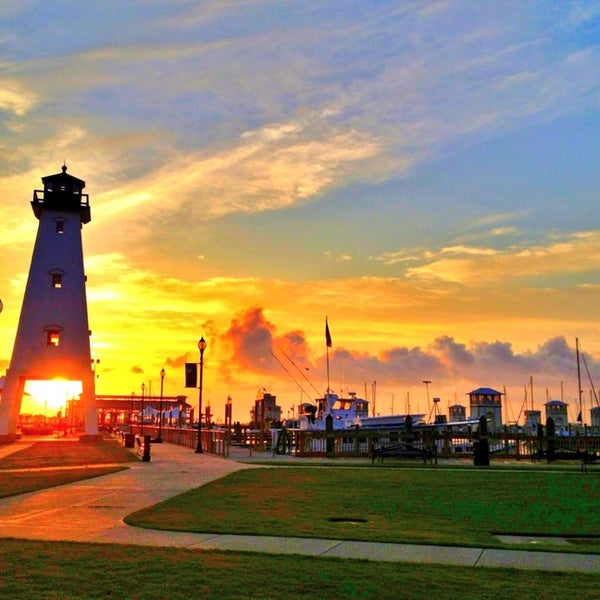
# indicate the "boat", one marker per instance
pixel 348 413
pixel 344 414
pixel 334 411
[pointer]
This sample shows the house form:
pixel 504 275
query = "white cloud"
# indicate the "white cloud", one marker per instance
pixel 274 167
pixel 562 256
pixel 15 97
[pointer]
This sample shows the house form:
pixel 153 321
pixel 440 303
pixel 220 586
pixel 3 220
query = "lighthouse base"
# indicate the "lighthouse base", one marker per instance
pixel 90 438
pixel 9 438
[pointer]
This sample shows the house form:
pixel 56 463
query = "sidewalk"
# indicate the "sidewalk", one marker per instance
pixel 93 511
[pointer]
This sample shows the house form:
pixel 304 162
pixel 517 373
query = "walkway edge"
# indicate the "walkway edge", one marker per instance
pixel 373 551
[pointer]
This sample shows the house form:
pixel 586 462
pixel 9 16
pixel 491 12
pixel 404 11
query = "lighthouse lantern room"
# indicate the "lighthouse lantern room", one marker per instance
pixel 53 336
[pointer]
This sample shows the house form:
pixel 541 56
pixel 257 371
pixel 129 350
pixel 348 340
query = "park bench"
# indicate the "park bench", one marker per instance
pixel 586 457
pixel 402 450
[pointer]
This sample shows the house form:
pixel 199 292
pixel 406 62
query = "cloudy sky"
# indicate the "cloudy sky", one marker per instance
pixel 425 174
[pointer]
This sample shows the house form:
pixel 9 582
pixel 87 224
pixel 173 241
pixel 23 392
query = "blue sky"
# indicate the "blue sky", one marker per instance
pixel 420 172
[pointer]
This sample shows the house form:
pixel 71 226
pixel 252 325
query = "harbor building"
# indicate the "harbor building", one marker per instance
pixel 487 402
pixel 557 411
pixel 595 417
pixel 457 412
pixel 265 412
pixel 533 418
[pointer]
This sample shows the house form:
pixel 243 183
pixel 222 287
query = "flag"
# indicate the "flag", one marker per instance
pixel 191 375
pixel 327 334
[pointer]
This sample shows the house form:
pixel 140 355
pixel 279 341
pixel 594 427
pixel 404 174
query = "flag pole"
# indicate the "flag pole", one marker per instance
pixel 328 344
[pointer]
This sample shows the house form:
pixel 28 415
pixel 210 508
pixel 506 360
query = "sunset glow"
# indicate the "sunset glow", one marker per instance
pixel 49 397
pixel 424 174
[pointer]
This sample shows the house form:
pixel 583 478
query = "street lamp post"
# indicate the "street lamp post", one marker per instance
pixel 142 411
pixel 427 382
pixel 160 407
pixel 201 347
pixel 131 413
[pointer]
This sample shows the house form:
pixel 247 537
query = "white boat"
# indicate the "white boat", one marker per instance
pixel 348 413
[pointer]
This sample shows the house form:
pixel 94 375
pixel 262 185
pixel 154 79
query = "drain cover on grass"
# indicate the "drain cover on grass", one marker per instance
pixel 531 539
pixel 346 520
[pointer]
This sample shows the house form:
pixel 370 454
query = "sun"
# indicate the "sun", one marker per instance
pixel 48 397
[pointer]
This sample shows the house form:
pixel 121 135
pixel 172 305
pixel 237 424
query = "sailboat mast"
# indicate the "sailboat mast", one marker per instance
pixel 531 388
pixel 374 396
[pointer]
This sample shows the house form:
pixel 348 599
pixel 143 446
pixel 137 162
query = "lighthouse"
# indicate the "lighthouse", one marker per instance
pixel 53 335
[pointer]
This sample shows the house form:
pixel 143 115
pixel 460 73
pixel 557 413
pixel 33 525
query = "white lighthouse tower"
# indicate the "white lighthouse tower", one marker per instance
pixel 53 336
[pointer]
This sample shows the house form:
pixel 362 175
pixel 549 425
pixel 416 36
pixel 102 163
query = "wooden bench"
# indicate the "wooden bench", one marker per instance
pixel 586 458
pixel 403 450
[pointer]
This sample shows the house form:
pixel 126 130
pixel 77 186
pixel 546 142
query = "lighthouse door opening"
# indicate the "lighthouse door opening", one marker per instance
pixel 50 406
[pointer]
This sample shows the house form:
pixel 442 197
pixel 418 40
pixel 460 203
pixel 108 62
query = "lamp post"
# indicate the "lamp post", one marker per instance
pixel 201 347
pixel 72 401
pixel 160 406
pixel 131 413
pixel 142 411
pixel 427 382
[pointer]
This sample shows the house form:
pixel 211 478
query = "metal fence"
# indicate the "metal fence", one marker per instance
pixel 362 442
pixel 214 441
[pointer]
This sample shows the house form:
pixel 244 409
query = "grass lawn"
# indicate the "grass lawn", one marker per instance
pixel 69 571
pixel 445 506
pixel 51 463
pixel 433 505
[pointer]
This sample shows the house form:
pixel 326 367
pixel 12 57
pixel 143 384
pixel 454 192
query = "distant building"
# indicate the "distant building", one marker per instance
pixel 119 410
pixel 532 419
pixel 457 412
pixel 557 411
pixel 265 412
pixel 595 416
pixel 487 402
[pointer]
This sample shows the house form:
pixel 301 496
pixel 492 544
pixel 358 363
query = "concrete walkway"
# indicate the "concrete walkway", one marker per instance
pixel 93 511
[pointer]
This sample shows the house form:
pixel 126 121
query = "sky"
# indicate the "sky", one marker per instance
pixel 423 174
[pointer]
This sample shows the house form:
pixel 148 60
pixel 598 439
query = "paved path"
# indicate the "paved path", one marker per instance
pixel 93 511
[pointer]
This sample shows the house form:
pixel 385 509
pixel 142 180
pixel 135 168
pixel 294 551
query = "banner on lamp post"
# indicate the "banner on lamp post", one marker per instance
pixel 191 375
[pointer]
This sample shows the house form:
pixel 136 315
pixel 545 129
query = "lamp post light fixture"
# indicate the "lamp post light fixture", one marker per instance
pixel 95 364
pixel 202 348
pixel 160 407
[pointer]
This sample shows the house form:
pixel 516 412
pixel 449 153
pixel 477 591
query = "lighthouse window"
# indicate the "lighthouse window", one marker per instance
pixel 60 226
pixel 53 337
pixel 57 280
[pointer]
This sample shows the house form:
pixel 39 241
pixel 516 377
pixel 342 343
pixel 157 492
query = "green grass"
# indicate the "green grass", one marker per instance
pixel 421 505
pixel 430 506
pixel 67 453
pixel 12 484
pixel 51 463
pixel 69 571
